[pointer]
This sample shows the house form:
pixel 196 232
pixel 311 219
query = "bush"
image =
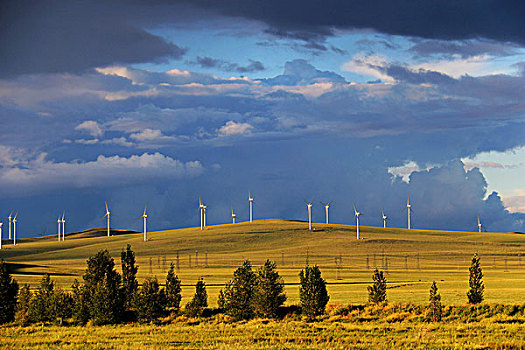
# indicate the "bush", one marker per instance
pixel 173 296
pixel 435 309
pixel 236 298
pixel 377 291
pixel 475 294
pixel 268 293
pixel 8 295
pixel 102 294
pixel 41 307
pixel 22 308
pixel 150 302
pixel 312 291
pixel 200 300
pixel 129 273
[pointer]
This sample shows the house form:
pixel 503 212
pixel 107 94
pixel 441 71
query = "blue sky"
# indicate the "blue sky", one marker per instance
pixel 361 102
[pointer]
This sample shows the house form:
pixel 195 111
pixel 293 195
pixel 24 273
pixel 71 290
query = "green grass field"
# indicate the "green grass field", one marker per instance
pixel 412 258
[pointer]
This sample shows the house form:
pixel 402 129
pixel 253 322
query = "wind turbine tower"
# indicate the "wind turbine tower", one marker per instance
pixel 309 206
pixel 201 209
pixel 384 217
pixel 357 215
pixel 63 226
pixel 10 217
pixel 326 207
pixel 204 208
pixel 145 217
pixel 409 210
pixel 250 200
pixel 59 222
pixel 108 214
pixel 1 224
pixel 14 228
pixel 234 216
pixel 480 226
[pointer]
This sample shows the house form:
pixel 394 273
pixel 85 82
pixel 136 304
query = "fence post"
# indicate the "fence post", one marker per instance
pixel 178 264
pixel 150 267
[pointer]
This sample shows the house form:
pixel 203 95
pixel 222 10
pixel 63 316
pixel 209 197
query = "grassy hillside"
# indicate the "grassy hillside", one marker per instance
pixel 412 258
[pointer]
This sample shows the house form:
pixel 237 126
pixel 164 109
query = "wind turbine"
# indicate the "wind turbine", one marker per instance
pixel 250 200
pixel 1 224
pixel 63 226
pixel 108 214
pixel 204 208
pixel 10 217
pixel 309 205
pixel 480 226
pixel 357 215
pixel 14 228
pixel 234 216
pixel 145 217
pixel 384 217
pixel 201 208
pixel 326 207
pixel 59 222
pixel 409 210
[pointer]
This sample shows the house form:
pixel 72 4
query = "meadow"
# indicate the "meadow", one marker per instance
pixel 411 258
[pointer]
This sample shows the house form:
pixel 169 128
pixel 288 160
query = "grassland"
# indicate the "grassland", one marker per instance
pixel 412 258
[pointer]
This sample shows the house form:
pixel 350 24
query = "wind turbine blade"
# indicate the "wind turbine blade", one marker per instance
pixel 107 210
pixel 145 208
pixel 16 215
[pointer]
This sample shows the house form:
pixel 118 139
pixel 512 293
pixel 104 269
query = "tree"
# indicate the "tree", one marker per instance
pixel 8 294
pixel 102 291
pixel 173 289
pixel 312 291
pixel 22 307
pixel 377 291
pixel 475 294
pixel 238 293
pixel 268 293
pixel 150 302
pixel 41 307
pixel 80 310
pixel 435 309
pixel 200 300
pixel 129 273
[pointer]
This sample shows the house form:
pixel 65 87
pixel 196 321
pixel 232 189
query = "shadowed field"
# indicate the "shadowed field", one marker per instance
pixel 413 259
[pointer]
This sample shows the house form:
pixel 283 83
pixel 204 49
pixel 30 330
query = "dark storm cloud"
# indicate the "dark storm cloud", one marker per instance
pixel 432 19
pixel 464 49
pixel 72 37
pixel 210 62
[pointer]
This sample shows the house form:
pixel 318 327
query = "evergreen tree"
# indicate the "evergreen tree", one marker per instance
pixel 475 294
pixel 312 291
pixel 173 289
pixel 129 273
pixel 377 291
pixel 150 302
pixel 8 294
pixel 41 308
pixel 268 293
pixel 102 291
pixel 62 305
pixel 435 309
pixel 200 300
pixel 238 293
pixel 80 308
pixel 22 308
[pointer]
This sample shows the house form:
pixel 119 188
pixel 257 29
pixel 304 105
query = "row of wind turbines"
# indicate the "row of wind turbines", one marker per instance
pixel 203 210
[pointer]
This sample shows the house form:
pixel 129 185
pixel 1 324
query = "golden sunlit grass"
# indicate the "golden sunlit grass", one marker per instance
pixel 412 258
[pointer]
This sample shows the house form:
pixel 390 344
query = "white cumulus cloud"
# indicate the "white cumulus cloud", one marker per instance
pixel 233 128
pixel 91 127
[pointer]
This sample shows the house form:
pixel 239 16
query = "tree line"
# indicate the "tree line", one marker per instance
pixel 106 296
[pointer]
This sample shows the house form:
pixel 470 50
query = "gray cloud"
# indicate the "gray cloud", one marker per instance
pixel 209 62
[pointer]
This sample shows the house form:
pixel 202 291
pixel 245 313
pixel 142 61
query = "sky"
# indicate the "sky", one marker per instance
pixel 347 102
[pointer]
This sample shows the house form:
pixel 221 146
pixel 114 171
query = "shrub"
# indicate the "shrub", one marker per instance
pixel 237 296
pixel 173 290
pixel 475 294
pixel 102 293
pixel 41 307
pixel 129 273
pixel 435 309
pixel 150 302
pixel 312 291
pixel 22 308
pixel 377 291
pixel 8 295
pixel 268 293
pixel 200 300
